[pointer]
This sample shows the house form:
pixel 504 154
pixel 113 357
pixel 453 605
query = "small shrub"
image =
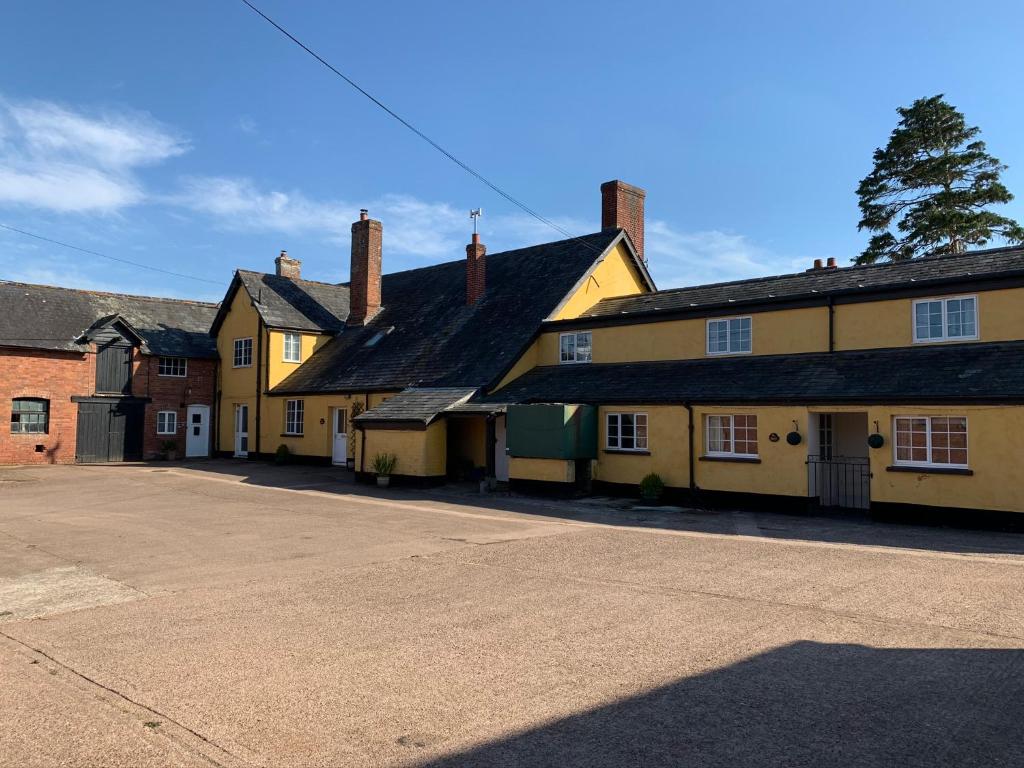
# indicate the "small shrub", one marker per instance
pixel 168 448
pixel 651 487
pixel 384 463
pixel 282 455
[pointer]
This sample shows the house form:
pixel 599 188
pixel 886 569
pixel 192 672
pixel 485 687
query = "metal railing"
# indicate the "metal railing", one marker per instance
pixel 839 481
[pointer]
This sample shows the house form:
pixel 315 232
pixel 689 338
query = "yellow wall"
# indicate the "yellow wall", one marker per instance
pixel 237 385
pixel 995 442
pixel 544 470
pixel 279 368
pixel 783 467
pixel 782 332
pixel 317 439
pixel 667 434
pixel 890 323
pixel 421 453
pixel 529 359
pixel 615 275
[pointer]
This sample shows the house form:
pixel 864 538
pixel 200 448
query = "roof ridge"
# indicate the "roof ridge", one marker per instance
pixel 93 292
pixel 823 270
pixel 294 280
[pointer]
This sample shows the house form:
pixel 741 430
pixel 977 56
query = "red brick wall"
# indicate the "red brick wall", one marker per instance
pixel 476 270
pixel 55 376
pixel 622 207
pixel 170 393
pixel 365 269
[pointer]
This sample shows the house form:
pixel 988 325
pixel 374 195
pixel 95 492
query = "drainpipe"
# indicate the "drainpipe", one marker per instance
pixel 831 324
pixel 259 381
pixel 689 452
pixel 362 432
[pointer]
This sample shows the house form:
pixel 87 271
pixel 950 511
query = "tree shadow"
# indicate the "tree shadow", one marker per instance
pixel 804 704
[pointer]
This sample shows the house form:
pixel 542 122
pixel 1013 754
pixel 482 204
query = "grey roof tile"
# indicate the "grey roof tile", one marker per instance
pixel 820 282
pixel 49 317
pixel 304 305
pixel 435 339
pixel 939 373
pixel 421 404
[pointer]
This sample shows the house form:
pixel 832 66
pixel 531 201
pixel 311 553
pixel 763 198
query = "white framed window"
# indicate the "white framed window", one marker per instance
pixel 574 347
pixel 729 336
pixel 930 441
pixel 172 366
pixel 293 415
pixel 730 435
pixel 626 432
pixel 951 319
pixel 167 422
pixel 293 348
pixel 243 353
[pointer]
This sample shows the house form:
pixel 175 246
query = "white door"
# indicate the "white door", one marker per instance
pixel 241 430
pixel 197 439
pixel 339 454
pixel 500 457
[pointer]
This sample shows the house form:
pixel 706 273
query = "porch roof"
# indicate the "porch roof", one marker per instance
pixel 935 373
pixel 416 405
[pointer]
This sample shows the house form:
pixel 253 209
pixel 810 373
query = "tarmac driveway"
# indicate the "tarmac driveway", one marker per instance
pixel 235 615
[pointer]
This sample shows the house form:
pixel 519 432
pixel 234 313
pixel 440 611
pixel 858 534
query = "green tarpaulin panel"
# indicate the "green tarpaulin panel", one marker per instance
pixel 552 431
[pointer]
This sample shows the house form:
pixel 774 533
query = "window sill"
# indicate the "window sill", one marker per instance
pixel 29 434
pixel 920 470
pixel 627 451
pixel 171 376
pixel 293 434
pixel 734 459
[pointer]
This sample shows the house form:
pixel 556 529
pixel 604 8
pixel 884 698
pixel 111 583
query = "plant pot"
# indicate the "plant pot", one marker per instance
pixel 172 455
pixel 383 481
pixel 350 464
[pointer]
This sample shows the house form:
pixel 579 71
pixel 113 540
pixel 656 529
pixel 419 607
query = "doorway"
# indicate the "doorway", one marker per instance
pixel 838 468
pixel 197 439
pixel 339 449
pixel 241 431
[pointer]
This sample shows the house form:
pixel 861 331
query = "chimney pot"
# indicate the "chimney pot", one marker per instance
pixel 285 266
pixel 818 264
pixel 365 269
pixel 831 263
pixel 622 207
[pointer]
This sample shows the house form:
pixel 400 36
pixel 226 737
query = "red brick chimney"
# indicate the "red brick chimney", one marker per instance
pixel 622 207
pixel 476 270
pixel 288 267
pixel 364 275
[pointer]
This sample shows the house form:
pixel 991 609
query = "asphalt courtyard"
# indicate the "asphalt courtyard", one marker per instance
pixel 235 615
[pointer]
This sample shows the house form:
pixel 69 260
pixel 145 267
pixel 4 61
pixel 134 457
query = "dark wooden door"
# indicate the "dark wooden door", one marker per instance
pixel 114 369
pixel 109 432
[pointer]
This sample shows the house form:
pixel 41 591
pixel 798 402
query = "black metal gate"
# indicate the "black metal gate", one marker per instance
pixel 839 481
pixel 109 431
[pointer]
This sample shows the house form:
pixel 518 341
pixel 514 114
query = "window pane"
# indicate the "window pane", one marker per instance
pixel 583 347
pixel 568 348
pixel 641 430
pixel 739 335
pixel 613 430
pixel 719 434
pixel 718 336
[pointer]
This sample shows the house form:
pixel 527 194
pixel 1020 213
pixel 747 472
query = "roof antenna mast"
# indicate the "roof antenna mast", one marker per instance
pixel 475 215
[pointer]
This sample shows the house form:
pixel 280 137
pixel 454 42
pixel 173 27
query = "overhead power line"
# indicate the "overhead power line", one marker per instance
pixel 106 256
pixel 464 166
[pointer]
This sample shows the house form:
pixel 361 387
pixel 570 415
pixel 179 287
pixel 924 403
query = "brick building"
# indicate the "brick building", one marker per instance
pixel 90 376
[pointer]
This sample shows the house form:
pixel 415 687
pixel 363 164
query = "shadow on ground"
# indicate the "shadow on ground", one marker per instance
pixel 805 704
pixel 784 523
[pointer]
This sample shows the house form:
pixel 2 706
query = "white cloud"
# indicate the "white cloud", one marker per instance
pixel 678 258
pixel 56 159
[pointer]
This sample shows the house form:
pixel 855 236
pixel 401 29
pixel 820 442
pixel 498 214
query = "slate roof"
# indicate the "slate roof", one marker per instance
pixel 432 337
pixel 417 404
pixel 48 317
pixel 303 305
pixel 821 282
pixel 939 373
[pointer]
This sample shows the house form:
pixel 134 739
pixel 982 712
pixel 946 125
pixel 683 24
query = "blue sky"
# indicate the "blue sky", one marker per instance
pixel 193 137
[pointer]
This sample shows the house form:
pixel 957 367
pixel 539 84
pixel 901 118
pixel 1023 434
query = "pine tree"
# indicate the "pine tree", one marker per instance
pixel 932 181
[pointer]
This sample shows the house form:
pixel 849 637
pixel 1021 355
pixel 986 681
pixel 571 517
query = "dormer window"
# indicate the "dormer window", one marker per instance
pixel 292 348
pixel 953 319
pixel 729 336
pixel 574 347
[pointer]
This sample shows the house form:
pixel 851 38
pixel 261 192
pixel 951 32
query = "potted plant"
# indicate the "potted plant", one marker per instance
pixel 169 449
pixel 282 455
pixel 383 466
pixel 651 488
